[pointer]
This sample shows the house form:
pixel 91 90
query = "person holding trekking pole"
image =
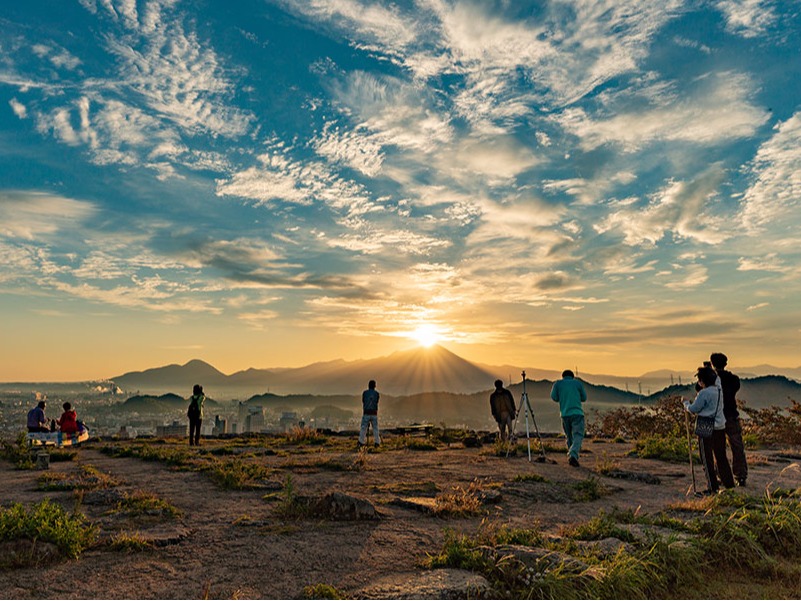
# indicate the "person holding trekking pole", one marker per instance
pixel 730 384
pixel 708 406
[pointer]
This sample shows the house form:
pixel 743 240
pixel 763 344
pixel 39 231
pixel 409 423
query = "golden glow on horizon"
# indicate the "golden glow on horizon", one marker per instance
pixel 426 335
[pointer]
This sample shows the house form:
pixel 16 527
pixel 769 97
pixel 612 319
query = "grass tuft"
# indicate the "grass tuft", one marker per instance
pixel 322 591
pixel 48 522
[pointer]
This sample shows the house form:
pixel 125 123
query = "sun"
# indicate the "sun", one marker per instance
pixel 426 335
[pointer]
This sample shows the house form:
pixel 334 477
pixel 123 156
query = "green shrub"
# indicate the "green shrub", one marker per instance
pixel 46 521
pixel 590 489
pixel 290 505
pixel 529 478
pixel 460 502
pixel 673 449
pixel 141 503
pixel 237 474
pixel 18 452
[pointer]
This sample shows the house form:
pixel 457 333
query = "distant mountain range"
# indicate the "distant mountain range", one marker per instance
pixel 405 373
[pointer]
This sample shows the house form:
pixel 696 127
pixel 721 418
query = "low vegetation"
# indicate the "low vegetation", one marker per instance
pixel 732 537
pixel 129 542
pixel 87 477
pixel 17 452
pixel 47 522
pixel 236 474
pixel 322 591
pixel 673 449
pixel 461 501
pixel 142 503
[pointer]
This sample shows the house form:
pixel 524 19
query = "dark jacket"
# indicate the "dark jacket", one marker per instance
pixel 730 385
pixel 502 401
pixel 370 401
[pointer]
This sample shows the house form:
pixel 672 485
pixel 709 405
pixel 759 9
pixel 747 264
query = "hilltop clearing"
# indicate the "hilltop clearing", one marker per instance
pixel 257 518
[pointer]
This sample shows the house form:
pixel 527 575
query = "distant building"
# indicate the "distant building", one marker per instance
pixel 174 429
pixel 289 419
pixel 254 421
pixel 220 426
pixel 126 433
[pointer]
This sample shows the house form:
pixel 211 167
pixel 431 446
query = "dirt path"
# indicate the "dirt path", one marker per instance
pixel 230 544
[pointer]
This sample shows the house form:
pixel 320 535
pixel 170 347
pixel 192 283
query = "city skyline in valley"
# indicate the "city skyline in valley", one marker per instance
pixel 614 185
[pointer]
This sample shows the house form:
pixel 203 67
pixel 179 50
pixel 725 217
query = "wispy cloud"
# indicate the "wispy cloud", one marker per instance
pixel 774 197
pixel 30 215
pixel 748 18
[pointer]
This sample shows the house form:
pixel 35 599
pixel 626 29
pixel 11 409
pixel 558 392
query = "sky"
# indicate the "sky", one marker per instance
pixel 613 185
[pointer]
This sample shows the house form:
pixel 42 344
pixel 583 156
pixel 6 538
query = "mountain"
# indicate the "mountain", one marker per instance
pixel 758 393
pixel 172 377
pixel 164 403
pixel 403 372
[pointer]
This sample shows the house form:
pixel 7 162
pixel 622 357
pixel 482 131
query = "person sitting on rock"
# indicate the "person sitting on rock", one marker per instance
pixel 68 422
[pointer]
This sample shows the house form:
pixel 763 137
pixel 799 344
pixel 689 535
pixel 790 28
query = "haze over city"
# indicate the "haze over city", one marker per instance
pixel 613 185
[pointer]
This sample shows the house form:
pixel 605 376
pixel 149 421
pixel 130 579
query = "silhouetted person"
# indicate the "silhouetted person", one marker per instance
pixel 68 422
pixel 709 403
pixel 730 384
pixel 502 405
pixel 195 414
pixel 370 414
pixel 37 422
pixel 570 394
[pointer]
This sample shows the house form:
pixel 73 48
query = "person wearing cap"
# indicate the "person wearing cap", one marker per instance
pixel 37 422
pixel 502 405
pixel 730 384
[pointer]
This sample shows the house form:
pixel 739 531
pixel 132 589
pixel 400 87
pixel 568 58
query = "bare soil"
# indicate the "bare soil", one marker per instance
pixel 231 544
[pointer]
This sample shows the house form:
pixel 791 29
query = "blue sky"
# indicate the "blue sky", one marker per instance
pixel 613 185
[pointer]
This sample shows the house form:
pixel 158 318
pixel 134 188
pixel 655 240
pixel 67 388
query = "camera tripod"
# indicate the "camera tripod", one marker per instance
pixel 525 405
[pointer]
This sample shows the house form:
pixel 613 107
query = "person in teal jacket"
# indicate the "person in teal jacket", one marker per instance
pixel 569 393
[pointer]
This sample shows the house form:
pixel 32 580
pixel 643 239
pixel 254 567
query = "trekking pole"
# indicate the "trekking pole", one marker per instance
pixel 690 450
pixel 524 399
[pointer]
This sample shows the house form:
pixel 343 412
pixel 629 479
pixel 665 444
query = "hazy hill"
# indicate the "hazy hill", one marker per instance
pixel 163 403
pixel 403 372
pixel 756 392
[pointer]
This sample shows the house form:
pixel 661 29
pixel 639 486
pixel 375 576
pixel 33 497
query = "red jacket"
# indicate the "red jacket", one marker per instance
pixel 68 422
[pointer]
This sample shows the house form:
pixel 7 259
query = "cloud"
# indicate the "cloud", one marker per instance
pixel 354 149
pixel 18 108
pixel 681 208
pixel 757 306
pixel 748 18
pixel 774 197
pixel 30 215
pixel 716 109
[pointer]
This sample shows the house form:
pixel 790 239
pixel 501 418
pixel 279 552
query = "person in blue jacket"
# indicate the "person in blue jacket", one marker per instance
pixel 570 394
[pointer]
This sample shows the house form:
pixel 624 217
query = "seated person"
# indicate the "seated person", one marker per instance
pixel 37 422
pixel 68 422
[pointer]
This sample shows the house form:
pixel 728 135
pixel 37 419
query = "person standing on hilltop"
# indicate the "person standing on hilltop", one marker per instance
pixel 570 394
pixel 502 405
pixel 730 384
pixel 195 414
pixel 370 414
pixel 708 403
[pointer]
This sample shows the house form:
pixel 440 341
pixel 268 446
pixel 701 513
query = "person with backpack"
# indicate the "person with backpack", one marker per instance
pixel 195 414
pixel 708 404
pixel 734 432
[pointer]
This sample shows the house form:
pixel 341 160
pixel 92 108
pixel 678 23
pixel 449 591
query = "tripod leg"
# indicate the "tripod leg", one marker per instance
pixel 536 428
pixel 528 437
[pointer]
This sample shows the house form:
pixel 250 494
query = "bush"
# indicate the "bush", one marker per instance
pixel 47 522
pixel 17 452
pixel 773 425
pixel 460 502
pixel 663 418
pixel 672 449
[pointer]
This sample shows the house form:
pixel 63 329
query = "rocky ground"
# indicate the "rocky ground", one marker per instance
pixel 369 541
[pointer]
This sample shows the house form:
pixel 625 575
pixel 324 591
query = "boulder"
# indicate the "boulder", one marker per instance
pixel 429 584
pixel 340 506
